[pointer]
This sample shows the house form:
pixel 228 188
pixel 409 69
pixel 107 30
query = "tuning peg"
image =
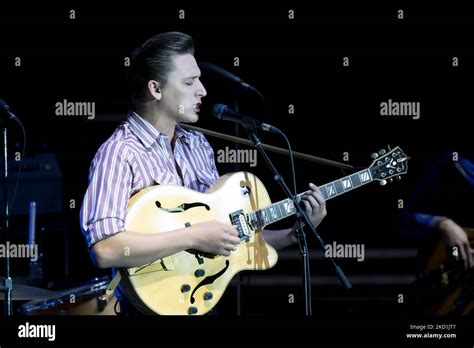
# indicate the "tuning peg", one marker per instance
pixel 390 180
pixel 398 177
pixel 383 182
pixel 374 155
pixel 382 152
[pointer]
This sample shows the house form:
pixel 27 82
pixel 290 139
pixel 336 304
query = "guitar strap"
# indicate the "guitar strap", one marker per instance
pixel 113 284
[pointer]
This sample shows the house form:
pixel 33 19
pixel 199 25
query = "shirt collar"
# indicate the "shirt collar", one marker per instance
pixel 148 134
pixel 182 134
pixel 144 131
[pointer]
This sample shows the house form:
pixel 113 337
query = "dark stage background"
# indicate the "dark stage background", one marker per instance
pixel 295 62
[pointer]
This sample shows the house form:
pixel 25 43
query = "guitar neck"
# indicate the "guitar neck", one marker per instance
pixel 285 208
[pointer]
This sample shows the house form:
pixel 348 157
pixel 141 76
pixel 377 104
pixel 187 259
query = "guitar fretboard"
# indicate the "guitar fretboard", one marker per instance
pixel 282 209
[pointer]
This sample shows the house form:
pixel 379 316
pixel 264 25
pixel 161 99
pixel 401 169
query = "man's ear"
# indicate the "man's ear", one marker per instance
pixel 155 89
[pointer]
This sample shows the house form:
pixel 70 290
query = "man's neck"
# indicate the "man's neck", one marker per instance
pixel 158 120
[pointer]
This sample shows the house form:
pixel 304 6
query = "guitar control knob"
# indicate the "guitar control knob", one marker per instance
pixel 382 152
pixel 383 182
pixel 199 272
pixel 192 310
pixel 208 296
pixel 185 288
pixel 374 155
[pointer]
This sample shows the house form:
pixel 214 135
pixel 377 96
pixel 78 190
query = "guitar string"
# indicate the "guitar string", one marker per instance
pixel 371 169
pixel 376 167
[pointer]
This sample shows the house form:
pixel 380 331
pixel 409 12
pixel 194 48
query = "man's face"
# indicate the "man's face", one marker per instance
pixel 181 96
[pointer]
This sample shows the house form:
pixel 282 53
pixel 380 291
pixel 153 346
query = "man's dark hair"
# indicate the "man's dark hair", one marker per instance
pixel 154 59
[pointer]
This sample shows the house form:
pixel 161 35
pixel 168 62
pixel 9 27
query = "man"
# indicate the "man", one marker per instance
pixel 151 148
pixel 440 205
pixel 438 211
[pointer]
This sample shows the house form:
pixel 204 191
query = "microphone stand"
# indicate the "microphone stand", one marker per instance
pixel 7 287
pixel 300 213
pixel 239 275
pixel 303 245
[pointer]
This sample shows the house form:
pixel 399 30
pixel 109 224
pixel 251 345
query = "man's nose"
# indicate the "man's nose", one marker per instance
pixel 201 91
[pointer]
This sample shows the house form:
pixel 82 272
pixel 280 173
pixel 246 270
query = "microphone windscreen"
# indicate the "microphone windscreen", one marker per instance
pixel 218 110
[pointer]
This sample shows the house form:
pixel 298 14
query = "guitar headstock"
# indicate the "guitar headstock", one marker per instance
pixel 387 165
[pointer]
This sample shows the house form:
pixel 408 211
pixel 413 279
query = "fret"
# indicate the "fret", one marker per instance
pixel 289 207
pixel 364 176
pixel 258 214
pixel 268 215
pixel 346 183
pixel 324 191
pixel 253 218
pixel 281 210
pixel 277 211
pixel 264 215
pixel 338 186
pixel 355 180
pixel 331 190
pixel 273 213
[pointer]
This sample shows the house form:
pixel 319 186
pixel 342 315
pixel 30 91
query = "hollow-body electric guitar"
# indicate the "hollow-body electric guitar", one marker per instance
pixel 190 282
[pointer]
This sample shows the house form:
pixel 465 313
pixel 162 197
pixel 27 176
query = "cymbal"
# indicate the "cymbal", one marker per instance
pixel 24 292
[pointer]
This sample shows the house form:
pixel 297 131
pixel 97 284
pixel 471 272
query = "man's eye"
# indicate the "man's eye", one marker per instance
pixel 189 83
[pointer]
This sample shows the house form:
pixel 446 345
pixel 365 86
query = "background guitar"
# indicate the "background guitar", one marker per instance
pixel 443 285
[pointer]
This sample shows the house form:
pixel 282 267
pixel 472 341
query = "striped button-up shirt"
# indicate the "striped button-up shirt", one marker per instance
pixel 137 155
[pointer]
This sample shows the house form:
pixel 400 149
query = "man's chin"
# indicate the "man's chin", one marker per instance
pixel 189 119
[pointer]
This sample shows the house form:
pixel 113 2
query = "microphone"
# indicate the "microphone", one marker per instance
pixel 5 109
pixel 223 112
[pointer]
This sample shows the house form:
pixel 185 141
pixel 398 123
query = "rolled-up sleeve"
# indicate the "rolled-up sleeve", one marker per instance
pixel 105 202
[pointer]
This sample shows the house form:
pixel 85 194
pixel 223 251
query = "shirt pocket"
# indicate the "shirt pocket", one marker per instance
pixel 204 181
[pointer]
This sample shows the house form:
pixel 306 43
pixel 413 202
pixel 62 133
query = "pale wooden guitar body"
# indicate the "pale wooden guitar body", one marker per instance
pixel 162 285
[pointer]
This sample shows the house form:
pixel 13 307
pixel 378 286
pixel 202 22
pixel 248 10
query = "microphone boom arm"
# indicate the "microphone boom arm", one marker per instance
pixel 275 149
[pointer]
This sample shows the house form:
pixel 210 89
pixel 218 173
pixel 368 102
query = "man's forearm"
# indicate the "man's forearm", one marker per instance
pixel 280 239
pixel 132 249
pixel 429 220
